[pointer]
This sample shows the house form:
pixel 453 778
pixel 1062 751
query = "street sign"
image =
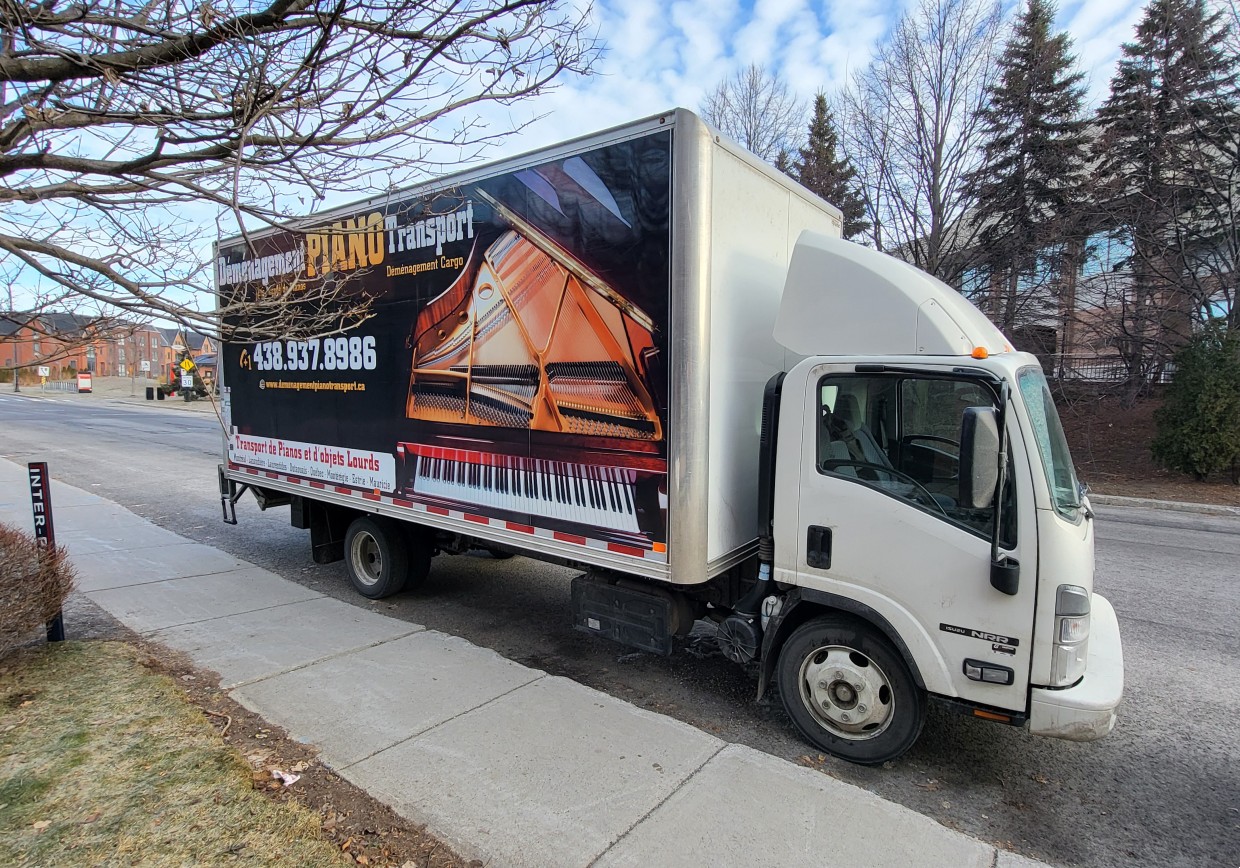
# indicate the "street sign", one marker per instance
pixel 44 371
pixel 187 381
pixel 187 365
pixel 41 501
pixel 44 530
pixel 144 366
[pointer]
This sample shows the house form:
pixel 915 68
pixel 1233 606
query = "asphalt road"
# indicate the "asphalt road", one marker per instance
pixel 1163 789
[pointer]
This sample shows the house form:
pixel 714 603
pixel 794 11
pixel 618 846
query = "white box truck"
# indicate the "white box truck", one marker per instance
pixel 648 354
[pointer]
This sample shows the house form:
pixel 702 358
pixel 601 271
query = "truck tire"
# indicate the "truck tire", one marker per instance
pixel 376 555
pixel 421 542
pixel 848 691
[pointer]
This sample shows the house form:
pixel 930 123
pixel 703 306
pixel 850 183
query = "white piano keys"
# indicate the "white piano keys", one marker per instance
pixel 581 493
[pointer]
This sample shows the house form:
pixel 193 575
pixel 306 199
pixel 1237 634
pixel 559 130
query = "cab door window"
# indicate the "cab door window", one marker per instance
pixel 901 436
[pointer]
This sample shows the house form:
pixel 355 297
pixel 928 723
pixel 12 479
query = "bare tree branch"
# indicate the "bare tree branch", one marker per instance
pixel 911 125
pixel 755 108
pixel 128 126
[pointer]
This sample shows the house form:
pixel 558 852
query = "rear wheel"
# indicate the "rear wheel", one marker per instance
pixel 849 691
pixel 421 542
pixel 376 555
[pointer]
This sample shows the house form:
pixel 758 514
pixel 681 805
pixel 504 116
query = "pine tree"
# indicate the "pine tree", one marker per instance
pixel 783 162
pixel 822 171
pixel 1174 85
pixel 1033 178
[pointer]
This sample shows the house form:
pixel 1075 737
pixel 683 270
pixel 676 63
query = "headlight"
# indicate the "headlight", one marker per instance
pixel 1071 635
pixel 1071 600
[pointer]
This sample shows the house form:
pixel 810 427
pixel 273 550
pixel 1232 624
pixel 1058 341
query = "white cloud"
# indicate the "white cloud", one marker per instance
pixel 660 55
pixel 1098 30
pixel 761 39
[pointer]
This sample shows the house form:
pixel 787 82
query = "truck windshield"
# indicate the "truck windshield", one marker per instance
pixel 1052 445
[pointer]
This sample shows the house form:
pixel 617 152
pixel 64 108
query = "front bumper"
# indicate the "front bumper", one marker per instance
pixel 1085 711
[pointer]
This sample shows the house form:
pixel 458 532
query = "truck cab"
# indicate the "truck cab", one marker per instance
pixel 929 535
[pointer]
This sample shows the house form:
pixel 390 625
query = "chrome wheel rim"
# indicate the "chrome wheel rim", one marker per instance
pixel 846 692
pixel 367 559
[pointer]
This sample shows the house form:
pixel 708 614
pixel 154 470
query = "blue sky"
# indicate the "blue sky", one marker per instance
pixel 662 54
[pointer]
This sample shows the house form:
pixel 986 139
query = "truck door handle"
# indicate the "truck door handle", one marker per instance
pixel 818 547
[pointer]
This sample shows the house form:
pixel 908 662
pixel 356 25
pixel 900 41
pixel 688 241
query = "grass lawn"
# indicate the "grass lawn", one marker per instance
pixel 103 762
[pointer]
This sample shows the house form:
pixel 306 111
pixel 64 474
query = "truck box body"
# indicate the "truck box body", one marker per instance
pixel 566 355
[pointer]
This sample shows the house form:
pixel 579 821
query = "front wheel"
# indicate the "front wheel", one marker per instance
pixel 376 556
pixel 849 692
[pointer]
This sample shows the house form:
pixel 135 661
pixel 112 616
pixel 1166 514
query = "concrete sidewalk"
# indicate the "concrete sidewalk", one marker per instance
pixel 505 763
pixel 120 390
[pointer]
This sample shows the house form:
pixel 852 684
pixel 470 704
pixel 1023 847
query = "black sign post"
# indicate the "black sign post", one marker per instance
pixel 45 530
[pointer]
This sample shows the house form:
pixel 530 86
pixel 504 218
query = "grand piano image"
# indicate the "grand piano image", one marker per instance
pixel 534 381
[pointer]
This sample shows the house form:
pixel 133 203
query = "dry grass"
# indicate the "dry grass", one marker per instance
pixel 103 762
pixel 34 583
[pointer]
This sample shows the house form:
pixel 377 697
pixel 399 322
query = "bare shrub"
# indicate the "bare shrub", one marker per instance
pixel 34 582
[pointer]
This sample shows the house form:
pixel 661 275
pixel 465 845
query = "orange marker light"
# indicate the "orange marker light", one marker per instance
pixel 659 547
pixel 990 715
pixel 980 353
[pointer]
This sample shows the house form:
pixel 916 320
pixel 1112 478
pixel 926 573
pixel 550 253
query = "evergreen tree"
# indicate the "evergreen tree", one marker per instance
pixel 1199 423
pixel 783 162
pixel 1033 179
pixel 820 170
pixel 1174 85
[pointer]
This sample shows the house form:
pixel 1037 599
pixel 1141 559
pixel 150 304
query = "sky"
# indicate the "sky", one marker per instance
pixel 660 54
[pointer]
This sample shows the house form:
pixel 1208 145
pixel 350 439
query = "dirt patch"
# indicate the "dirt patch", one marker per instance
pixel 1111 447
pixel 361 827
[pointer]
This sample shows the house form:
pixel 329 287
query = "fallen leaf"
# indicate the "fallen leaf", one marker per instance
pixel 27 702
pixel 91 817
pixel 931 785
pixel 40 825
pixel 1040 778
pixel 363 860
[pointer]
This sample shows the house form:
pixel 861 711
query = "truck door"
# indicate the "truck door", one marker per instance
pixel 881 523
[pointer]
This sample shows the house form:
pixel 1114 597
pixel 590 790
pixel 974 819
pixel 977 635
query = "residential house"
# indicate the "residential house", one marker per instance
pixel 182 342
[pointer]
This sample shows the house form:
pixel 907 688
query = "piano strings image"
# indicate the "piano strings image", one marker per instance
pixel 550 366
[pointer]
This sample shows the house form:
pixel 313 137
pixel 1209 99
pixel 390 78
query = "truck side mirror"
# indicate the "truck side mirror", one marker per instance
pixel 979 457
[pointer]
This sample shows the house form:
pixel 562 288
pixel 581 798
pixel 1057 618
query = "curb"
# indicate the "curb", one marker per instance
pixel 1173 505
pixel 201 406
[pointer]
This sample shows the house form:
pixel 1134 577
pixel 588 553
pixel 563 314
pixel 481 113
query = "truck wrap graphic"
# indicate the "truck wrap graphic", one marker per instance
pixel 515 365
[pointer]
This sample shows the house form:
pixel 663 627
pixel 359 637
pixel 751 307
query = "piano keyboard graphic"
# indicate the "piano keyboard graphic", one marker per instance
pixel 568 491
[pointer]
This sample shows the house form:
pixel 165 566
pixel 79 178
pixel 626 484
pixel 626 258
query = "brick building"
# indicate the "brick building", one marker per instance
pixel 68 342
